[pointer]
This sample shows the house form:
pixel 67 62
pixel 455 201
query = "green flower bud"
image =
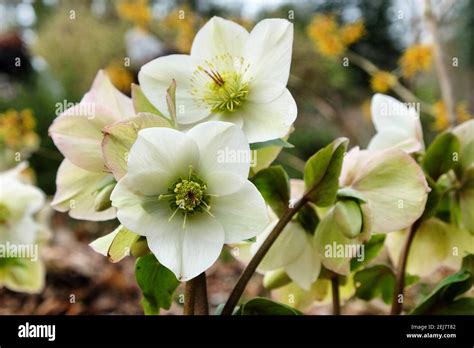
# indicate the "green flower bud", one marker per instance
pixel 102 200
pixel 348 218
pixel 275 279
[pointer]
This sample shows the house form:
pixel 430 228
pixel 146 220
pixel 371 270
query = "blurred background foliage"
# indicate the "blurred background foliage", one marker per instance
pixel 60 45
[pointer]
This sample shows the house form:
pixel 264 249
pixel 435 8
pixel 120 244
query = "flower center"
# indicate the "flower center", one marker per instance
pixel 188 196
pixel 220 84
pixel 5 213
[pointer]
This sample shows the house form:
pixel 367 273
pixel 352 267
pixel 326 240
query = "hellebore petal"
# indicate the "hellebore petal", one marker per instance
pixel 268 53
pixel 429 249
pixel 76 191
pixel 219 35
pixel 120 136
pixel 395 188
pixel 270 120
pixel 155 78
pixel 397 125
pixel 77 132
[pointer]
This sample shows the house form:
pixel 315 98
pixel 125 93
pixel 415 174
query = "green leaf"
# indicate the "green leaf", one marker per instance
pixel 273 184
pixel 371 249
pixel 308 218
pixel 377 281
pixel 141 103
pixel 264 306
pixel 157 283
pixel 462 306
pixel 321 173
pixel 122 244
pixel 439 157
pixel 434 198
pixel 270 143
pixel 446 291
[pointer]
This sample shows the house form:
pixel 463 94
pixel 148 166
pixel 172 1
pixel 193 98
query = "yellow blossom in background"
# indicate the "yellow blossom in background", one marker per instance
pixel 416 58
pixel 120 77
pixel 17 137
pixel 330 39
pixel 462 112
pixel 351 33
pixel 135 11
pixel 382 81
pixel 180 24
pixel 441 115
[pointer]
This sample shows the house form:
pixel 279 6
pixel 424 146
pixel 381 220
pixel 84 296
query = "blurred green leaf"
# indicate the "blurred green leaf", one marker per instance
pixel 446 291
pixel 264 306
pixel 377 281
pixel 439 157
pixel 462 306
pixel 157 283
pixel 371 249
pixel 271 143
pixel 273 184
pixel 322 170
pixel 308 218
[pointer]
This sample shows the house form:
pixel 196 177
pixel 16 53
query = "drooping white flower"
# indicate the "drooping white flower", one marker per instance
pixel 397 125
pixel 77 132
pixel 188 194
pixel 391 182
pixel 18 203
pixel 230 75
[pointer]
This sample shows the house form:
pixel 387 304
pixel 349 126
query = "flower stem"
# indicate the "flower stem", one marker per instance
pixel 397 305
pixel 336 302
pixel 195 296
pixel 261 252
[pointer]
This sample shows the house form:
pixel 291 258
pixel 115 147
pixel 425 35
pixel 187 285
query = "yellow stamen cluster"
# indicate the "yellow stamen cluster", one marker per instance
pixel 415 59
pixel 331 39
pixel 382 81
pixel 226 92
pixel 17 130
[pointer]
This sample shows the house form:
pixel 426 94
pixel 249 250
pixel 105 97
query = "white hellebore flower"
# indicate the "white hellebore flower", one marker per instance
pixel 77 132
pixel 397 125
pixel 18 203
pixel 231 75
pixel 188 194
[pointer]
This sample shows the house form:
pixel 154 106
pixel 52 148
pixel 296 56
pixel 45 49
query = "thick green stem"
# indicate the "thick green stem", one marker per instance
pixel 257 258
pixel 397 302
